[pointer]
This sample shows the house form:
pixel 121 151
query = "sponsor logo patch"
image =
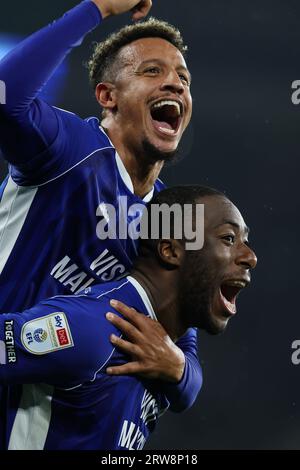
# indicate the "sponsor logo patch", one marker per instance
pixel 62 336
pixel 40 335
pixel 47 334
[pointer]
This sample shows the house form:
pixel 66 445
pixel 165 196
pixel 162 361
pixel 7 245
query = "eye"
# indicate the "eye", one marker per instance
pixel 229 238
pixel 184 79
pixel 153 70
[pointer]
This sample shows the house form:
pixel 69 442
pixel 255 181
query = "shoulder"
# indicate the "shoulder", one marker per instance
pixel 81 321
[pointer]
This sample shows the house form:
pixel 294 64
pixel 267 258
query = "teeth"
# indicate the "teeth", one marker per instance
pixel 167 131
pixel 240 284
pixel 167 103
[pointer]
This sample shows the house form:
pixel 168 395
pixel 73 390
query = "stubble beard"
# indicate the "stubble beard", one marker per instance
pixel 195 298
pixel 154 154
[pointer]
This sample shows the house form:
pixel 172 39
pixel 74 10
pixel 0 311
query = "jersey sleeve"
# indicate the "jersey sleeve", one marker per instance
pixel 32 131
pixel 62 342
pixel 183 394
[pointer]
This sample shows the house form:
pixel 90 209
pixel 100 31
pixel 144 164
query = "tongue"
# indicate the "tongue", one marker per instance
pixel 230 305
pixel 164 125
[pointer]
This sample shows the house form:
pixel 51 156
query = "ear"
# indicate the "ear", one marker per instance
pixel 171 252
pixel 106 95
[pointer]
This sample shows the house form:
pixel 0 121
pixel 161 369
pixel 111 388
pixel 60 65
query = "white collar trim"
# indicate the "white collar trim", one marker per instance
pixel 127 180
pixel 124 173
pixel 142 293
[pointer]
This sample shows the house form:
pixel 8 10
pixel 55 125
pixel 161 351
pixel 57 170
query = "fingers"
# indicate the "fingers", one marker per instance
pixel 126 369
pixel 127 328
pixel 122 308
pixel 141 10
pixel 129 313
pixel 126 347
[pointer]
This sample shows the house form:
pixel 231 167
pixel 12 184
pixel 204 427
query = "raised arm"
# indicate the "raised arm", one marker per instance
pixel 139 8
pixel 28 126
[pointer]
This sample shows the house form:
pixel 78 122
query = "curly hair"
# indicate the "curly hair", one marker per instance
pixel 103 63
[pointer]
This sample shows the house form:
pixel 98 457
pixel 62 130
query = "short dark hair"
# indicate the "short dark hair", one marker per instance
pixel 101 65
pixel 181 195
pixel 184 194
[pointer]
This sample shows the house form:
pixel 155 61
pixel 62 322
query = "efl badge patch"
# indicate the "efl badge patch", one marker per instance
pixel 47 334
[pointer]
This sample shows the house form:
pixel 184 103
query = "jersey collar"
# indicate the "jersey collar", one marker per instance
pixel 144 296
pixel 125 175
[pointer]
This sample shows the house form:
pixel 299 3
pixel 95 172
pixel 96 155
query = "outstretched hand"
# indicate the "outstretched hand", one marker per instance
pixel 139 8
pixel 154 355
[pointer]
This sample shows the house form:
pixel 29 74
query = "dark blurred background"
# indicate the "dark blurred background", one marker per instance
pixel 243 139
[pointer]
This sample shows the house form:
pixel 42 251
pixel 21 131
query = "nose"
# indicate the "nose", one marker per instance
pixel 173 83
pixel 246 257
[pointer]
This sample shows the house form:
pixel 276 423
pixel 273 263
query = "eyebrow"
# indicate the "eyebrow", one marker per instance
pixel 158 61
pixel 234 224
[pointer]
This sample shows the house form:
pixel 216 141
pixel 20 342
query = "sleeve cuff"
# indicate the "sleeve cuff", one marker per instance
pixel 96 11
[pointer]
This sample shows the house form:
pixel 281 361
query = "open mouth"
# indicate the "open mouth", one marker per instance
pixel 166 116
pixel 229 291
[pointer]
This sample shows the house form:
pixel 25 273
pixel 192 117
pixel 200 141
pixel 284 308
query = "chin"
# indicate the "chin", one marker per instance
pixel 215 330
pixel 216 326
pixel 156 153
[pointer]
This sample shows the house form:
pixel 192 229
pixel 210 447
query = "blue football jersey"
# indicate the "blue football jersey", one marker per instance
pixel 60 349
pixel 64 172
pixel 51 217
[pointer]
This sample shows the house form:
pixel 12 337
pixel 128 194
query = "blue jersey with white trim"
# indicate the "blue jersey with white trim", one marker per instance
pixel 52 223
pixel 61 349
pixel 63 173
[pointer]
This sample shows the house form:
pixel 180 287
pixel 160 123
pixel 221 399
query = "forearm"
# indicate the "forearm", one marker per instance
pixel 47 343
pixel 156 357
pixel 30 65
pixel 182 394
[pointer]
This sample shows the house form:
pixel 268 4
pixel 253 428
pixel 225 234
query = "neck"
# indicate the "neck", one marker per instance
pixel 165 306
pixel 143 173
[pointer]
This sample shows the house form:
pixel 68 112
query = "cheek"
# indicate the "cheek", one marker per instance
pixel 128 106
pixel 130 100
pixel 186 120
pixel 189 107
pixel 219 259
pixel 223 263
